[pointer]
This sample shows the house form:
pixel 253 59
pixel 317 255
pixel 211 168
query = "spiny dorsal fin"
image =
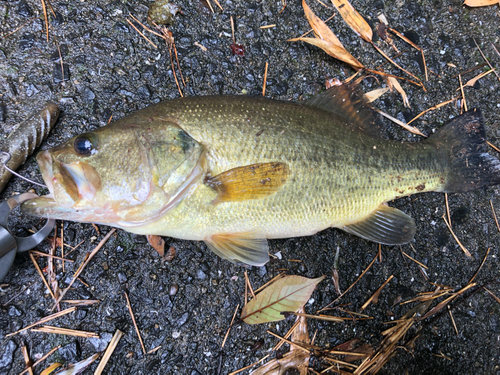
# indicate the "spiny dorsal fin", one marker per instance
pixel 249 182
pixel 386 225
pixel 347 102
pixel 249 248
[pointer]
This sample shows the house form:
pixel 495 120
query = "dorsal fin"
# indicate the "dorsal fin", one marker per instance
pixel 347 102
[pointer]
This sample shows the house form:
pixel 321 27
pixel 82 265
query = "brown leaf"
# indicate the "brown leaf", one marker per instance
pixel 394 83
pixel 339 53
pixel 157 243
pixel 355 21
pixel 321 30
pixel 480 3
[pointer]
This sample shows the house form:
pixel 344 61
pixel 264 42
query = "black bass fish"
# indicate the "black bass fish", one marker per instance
pixel 234 171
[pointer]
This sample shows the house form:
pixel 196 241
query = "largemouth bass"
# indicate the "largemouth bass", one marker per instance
pixel 234 171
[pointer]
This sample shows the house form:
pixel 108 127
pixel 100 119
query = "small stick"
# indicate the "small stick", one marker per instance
pixel 268 26
pixel 416 261
pixel 65 331
pixel 432 108
pixel 494 215
pixel 287 335
pixel 481 266
pixel 43 320
pixel 42 359
pixel 456 238
pixel 495 297
pixel 377 293
pixel 17 29
pixel 249 366
pixel 46 19
pixel 484 57
pixel 414 46
pixel 395 64
pixel 135 324
pixel 265 78
pixel 216 2
pixel 462 91
pixel 329 318
pixel 39 253
pixel 447 208
pixel 354 283
pixel 109 350
pixel 210 5
pixel 62 74
pixel 452 320
pixel 144 36
pixel 470 70
pixel 232 29
pixel 178 64
pixel 84 264
pixel 37 267
pixel 249 285
pixel 81 302
pixel 229 328
pixel 27 359
pixel 145 28
pixel 493 146
pixel 154 350
pixel 62 243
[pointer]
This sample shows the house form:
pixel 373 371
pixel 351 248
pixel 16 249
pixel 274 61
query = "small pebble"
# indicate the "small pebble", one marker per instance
pixel 174 289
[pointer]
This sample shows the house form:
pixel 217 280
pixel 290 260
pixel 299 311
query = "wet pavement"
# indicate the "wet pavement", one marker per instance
pixel 185 305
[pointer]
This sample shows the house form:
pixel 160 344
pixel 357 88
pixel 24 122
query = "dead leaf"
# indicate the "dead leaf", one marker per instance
pixel 480 3
pixel 79 367
pixel 339 53
pixel 355 21
pixel 157 242
pixel 289 293
pixel 295 358
pixel 375 94
pixel 321 30
pixel 51 368
pixel 394 83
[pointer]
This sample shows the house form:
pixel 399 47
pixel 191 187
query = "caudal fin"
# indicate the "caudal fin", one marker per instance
pixel 470 165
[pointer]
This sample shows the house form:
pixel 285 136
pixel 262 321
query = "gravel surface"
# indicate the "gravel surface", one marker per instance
pixel 185 305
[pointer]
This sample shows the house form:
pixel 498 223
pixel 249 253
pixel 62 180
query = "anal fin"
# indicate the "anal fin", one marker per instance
pixel 386 225
pixel 248 248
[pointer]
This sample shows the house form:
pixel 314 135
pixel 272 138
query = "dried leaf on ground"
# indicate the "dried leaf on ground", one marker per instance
pixel 287 294
pixel 339 53
pixel 79 367
pixel 51 368
pixel 394 83
pixel 158 243
pixel 295 358
pixel 480 3
pixel 326 39
pixel 375 94
pixel 321 30
pixel 355 21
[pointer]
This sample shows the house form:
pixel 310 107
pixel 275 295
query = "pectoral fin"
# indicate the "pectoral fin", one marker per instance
pixel 249 182
pixel 240 248
pixel 387 225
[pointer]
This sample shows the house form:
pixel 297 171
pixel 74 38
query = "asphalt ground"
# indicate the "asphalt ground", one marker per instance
pixel 185 305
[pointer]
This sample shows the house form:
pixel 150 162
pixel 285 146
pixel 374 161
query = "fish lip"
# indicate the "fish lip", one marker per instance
pixel 44 160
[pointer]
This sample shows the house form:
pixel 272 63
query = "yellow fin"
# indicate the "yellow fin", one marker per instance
pixel 249 182
pixel 241 248
pixel 386 225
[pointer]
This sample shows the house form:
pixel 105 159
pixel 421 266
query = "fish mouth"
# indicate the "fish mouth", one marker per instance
pixel 71 187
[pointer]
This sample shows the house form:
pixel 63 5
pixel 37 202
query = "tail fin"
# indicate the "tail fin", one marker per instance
pixel 471 167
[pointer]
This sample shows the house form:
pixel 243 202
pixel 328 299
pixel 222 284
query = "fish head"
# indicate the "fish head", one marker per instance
pixel 122 174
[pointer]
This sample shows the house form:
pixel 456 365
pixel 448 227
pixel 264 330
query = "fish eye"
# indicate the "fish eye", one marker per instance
pixel 85 144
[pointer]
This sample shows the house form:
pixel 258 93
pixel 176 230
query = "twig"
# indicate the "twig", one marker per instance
pixel 484 57
pixel 17 29
pixel 265 79
pixel 456 238
pixel 452 320
pixel 109 350
pixel 144 36
pixel 247 280
pixel 447 208
pixel 42 359
pixel 481 266
pixel 37 267
pixel 84 264
pixel 129 306
pixel 432 108
pixel 376 294
pixel 230 325
pixel 464 102
pixel 27 359
pixel 249 366
pixel 46 19
pixel 65 331
pixel 43 320
pixel 494 215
